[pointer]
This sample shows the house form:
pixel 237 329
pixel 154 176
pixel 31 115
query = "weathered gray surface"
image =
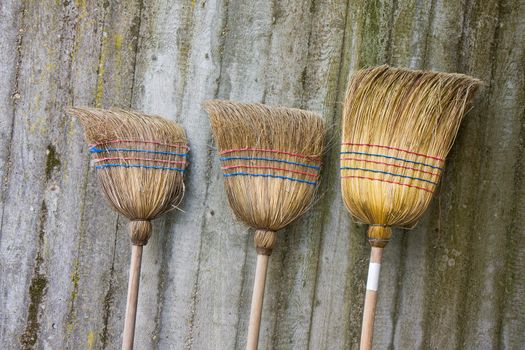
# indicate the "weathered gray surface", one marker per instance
pixel 457 281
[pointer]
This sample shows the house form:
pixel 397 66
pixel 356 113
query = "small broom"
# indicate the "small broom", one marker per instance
pixel 398 127
pixel 271 161
pixel 140 161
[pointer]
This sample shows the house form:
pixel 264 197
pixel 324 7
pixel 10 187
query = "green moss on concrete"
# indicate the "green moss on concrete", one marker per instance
pixel 37 288
pixel 36 295
pixel 99 90
pixel 52 161
pixel 371 46
pixel 135 28
pixel 118 39
pixel 71 314
pixel 75 278
pixel 107 312
pixel 90 340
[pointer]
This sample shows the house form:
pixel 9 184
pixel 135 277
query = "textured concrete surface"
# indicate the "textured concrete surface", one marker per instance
pixel 456 281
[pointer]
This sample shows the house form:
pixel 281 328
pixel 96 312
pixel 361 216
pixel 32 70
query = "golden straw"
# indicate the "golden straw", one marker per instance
pixel 140 162
pixel 398 127
pixel 271 158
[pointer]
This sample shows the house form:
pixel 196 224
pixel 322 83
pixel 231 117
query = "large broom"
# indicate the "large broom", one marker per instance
pixel 140 161
pixel 271 158
pixel 398 127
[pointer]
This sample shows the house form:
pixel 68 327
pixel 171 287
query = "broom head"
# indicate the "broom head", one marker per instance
pixel 398 127
pixel 271 158
pixel 140 161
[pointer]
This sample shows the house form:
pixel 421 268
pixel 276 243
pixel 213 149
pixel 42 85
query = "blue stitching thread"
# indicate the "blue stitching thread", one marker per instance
pixel 272 160
pixel 390 157
pixel 270 175
pixel 96 150
pixel 137 166
pixel 387 173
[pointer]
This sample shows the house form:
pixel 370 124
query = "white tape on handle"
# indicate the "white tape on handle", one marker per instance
pixel 373 276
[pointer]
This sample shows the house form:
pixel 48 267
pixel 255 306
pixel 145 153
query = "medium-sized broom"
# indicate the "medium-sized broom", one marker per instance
pixel 398 127
pixel 140 162
pixel 271 158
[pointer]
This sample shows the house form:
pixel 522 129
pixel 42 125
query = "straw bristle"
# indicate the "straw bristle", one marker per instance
pixel 140 159
pixel 398 127
pixel 271 158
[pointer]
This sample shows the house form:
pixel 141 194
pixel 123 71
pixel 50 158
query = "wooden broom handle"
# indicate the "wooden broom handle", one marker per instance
pixel 257 302
pixel 372 283
pixel 133 295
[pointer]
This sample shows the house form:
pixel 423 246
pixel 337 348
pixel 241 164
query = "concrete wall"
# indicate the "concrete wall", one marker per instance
pixel 456 281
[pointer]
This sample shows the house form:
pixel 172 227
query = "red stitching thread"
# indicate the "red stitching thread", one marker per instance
pixel 392 148
pixel 267 167
pixel 146 159
pixel 269 151
pixel 390 164
pixel 391 182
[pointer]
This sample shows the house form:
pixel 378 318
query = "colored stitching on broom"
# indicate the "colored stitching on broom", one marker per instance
pixel 270 151
pixel 145 159
pixel 387 173
pixel 96 150
pixel 137 166
pixel 267 167
pixel 177 145
pixel 392 148
pixel 395 158
pixel 271 160
pixel 273 176
pixel 391 164
pixel 382 180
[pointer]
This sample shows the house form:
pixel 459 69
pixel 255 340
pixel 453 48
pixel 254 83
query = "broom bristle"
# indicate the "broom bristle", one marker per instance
pixel 271 158
pixel 140 161
pixel 398 127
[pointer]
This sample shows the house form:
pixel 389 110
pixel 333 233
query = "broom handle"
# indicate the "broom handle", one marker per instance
pixel 257 302
pixel 133 295
pixel 367 330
